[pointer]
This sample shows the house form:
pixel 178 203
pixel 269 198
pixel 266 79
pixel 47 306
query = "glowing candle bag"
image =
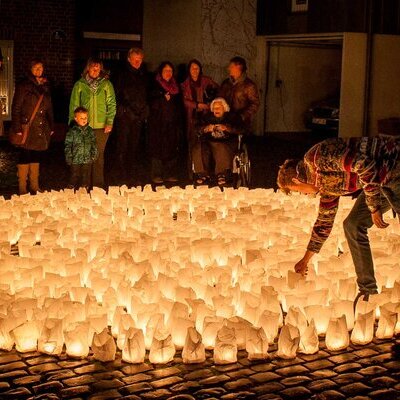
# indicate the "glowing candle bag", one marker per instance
pixel 337 335
pixel 179 331
pixel 193 351
pixel 288 342
pixel 6 339
pixel 125 323
pixel 76 340
pixel 26 336
pixel 133 350
pixel 269 321
pixel 103 346
pixel 240 325
pixel 256 344
pixel 295 317
pixel 51 339
pixel 387 323
pixel 211 326
pixel 363 331
pixel 225 350
pixel 309 342
pixel 162 349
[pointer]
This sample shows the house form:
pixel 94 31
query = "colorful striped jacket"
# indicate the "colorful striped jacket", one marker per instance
pixel 341 166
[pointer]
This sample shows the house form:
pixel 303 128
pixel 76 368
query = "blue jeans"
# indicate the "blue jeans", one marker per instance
pixel 356 227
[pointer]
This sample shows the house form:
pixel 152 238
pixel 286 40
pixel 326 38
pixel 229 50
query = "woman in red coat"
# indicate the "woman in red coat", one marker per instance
pixel 198 91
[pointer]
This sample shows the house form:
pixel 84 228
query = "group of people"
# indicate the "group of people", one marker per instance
pixel 214 115
pixel 207 117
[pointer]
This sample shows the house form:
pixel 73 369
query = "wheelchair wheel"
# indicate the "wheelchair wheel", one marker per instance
pixel 242 170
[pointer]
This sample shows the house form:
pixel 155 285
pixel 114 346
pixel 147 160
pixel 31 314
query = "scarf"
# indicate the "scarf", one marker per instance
pixel 169 86
pixel 93 83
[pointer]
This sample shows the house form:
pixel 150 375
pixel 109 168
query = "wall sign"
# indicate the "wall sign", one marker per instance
pixel 299 6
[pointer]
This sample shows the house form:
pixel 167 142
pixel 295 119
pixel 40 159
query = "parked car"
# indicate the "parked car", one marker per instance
pixel 323 115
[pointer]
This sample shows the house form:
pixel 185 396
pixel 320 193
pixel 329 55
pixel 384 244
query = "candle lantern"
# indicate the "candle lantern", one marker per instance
pixel 162 349
pixel 269 321
pixel 240 325
pixel 309 342
pixel 134 350
pixel 155 322
pixel 387 322
pixel 118 312
pixel 363 331
pixel 337 335
pixel 320 315
pixel 51 339
pixel 256 343
pixel 26 336
pixel 225 350
pixel 76 340
pixel 6 339
pixel 295 317
pixel 179 329
pixel 288 341
pixel 345 307
pixel 103 346
pixel 211 326
pixel 193 350
pixel 125 323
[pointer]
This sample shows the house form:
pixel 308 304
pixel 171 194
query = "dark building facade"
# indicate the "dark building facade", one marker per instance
pixel 54 31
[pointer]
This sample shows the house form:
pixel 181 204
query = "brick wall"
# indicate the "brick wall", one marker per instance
pixel 32 24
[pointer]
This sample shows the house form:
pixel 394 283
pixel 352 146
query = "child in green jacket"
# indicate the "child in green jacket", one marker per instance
pixel 80 150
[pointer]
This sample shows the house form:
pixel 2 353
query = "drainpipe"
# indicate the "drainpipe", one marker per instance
pixel 268 44
pixel 368 68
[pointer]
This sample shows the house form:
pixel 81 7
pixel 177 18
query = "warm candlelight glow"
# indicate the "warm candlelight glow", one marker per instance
pixel 189 269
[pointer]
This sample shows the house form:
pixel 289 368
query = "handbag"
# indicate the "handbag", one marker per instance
pixel 19 140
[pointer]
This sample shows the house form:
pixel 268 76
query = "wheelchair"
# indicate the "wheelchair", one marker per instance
pixel 240 174
pixel 241 168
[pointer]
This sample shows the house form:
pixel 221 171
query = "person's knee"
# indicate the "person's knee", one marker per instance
pixel 353 225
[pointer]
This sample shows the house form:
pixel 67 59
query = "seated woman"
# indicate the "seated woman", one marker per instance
pixel 218 131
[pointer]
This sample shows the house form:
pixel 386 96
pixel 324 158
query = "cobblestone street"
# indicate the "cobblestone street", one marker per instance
pixel 360 372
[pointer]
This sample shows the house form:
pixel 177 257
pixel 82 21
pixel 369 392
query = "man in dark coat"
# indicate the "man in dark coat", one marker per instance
pixel 240 92
pixel 131 89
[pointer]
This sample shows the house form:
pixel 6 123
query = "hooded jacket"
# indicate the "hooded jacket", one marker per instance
pixel 100 103
pixel 80 145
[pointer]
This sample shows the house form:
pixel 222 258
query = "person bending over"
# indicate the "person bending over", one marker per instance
pixel 340 166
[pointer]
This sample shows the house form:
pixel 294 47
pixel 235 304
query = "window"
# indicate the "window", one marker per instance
pixel 6 78
pixel 299 6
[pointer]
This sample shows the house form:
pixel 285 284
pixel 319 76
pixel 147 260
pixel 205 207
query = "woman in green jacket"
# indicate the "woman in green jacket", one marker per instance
pixel 96 93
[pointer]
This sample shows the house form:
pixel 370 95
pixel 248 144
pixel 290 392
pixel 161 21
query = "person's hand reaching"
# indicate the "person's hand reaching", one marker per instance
pixel 301 267
pixel 377 219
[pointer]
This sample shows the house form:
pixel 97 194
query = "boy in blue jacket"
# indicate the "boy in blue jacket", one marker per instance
pixel 80 150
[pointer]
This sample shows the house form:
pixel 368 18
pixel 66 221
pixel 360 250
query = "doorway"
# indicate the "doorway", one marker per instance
pixel 303 83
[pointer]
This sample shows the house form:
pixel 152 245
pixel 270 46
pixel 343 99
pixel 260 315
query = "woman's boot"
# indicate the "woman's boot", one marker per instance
pixel 34 178
pixel 23 170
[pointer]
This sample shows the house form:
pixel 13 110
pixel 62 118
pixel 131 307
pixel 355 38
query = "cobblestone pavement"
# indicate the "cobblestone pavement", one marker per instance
pixel 358 373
